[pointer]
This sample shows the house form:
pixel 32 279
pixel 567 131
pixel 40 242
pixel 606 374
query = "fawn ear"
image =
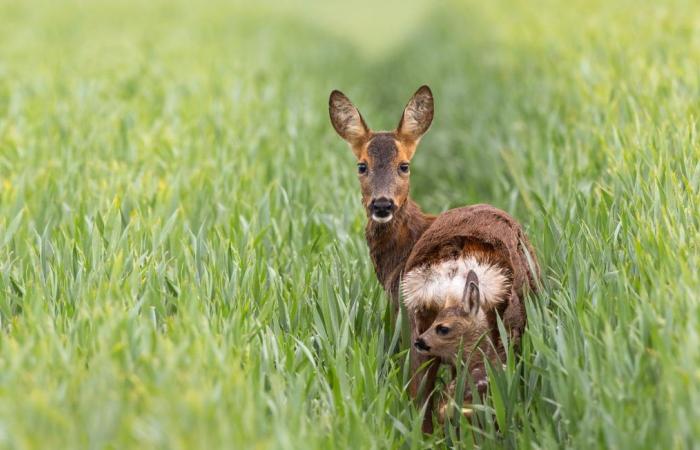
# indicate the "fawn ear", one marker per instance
pixel 346 119
pixel 417 116
pixel 471 298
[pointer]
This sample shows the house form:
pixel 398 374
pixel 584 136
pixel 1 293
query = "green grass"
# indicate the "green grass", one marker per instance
pixel 182 262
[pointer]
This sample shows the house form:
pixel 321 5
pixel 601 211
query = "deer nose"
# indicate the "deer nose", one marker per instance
pixel 421 345
pixel 382 207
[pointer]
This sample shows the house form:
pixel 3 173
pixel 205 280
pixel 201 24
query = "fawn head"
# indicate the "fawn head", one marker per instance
pixel 383 157
pixel 457 324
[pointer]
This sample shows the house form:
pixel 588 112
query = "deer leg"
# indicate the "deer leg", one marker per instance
pixel 430 388
pixel 417 360
pixel 479 380
pixel 514 319
pixel 424 371
pixel 423 384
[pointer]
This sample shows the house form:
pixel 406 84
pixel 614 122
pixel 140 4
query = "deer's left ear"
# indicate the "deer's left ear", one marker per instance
pixel 417 116
pixel 471 298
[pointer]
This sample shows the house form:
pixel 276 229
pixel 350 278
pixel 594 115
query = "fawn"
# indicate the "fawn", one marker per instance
pixel 461 327
pixel 401 238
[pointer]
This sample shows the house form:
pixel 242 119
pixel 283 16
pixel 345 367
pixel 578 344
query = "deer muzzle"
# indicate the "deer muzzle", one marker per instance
pixel 382 209
pixel 421 345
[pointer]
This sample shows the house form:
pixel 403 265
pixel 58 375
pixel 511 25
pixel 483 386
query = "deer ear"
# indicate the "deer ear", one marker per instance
pixel 417 116
pixel 471 298
pixel 346 119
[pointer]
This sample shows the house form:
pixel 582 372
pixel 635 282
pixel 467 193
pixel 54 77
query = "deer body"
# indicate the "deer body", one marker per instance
pixel 401 238
pixel 472 265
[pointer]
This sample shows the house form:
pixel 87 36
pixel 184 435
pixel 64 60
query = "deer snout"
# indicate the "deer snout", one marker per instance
pixel 421 345
pixel 382 209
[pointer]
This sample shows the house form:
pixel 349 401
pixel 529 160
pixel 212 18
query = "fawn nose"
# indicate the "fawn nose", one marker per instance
pixel 421 345
pixel 382 207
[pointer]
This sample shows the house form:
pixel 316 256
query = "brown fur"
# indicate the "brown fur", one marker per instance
pixel 497 237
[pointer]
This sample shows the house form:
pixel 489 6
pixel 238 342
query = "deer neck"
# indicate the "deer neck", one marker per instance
pixel 391 243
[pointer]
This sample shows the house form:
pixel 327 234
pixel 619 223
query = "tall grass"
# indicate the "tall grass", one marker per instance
pixel 182 262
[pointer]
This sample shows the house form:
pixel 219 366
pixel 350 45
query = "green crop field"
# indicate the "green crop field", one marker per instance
pixel 182 255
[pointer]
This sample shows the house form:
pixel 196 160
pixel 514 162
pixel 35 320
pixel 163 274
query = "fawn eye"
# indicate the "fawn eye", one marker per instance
pixel 404 167
pixel 362 168
pixel 442 330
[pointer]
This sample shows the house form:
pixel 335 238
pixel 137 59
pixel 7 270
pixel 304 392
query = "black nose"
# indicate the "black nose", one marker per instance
pixel 421 345
pixel 381 207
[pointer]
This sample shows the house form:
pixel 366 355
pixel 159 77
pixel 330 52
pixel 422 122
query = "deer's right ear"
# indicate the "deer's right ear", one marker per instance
pixel 346 119
pixel 471 298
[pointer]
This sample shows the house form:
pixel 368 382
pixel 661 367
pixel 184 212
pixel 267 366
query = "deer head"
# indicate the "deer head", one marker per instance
pixel 458 323
pixel 383 157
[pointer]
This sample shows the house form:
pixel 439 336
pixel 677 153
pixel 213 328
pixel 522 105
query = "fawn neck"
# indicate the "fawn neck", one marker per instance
pixel 391 243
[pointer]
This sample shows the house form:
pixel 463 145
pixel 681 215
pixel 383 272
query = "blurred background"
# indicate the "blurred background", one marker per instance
pixel 182 258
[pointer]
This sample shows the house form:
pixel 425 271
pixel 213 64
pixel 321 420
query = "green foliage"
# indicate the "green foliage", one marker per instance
pixel 182 262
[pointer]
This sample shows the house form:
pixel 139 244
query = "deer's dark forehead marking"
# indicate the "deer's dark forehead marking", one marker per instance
pixel 382 149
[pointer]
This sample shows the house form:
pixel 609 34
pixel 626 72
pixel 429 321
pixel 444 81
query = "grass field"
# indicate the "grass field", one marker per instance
pixel 182 257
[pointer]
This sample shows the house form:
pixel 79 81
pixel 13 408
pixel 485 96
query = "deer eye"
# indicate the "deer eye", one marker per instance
pixel 442 330
pixel 362 168
pixel 404 167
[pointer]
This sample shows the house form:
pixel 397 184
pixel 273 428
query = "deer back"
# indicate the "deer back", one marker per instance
pixel 495 235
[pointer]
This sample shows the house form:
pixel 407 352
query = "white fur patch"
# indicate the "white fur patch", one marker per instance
pixel 382 219
pixel 429 287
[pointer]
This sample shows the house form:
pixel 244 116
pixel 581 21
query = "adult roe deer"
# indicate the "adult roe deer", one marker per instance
pixel 401 238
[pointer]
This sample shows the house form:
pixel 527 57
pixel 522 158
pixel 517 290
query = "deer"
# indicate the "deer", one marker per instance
pixel 461 331
pixel 403 240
